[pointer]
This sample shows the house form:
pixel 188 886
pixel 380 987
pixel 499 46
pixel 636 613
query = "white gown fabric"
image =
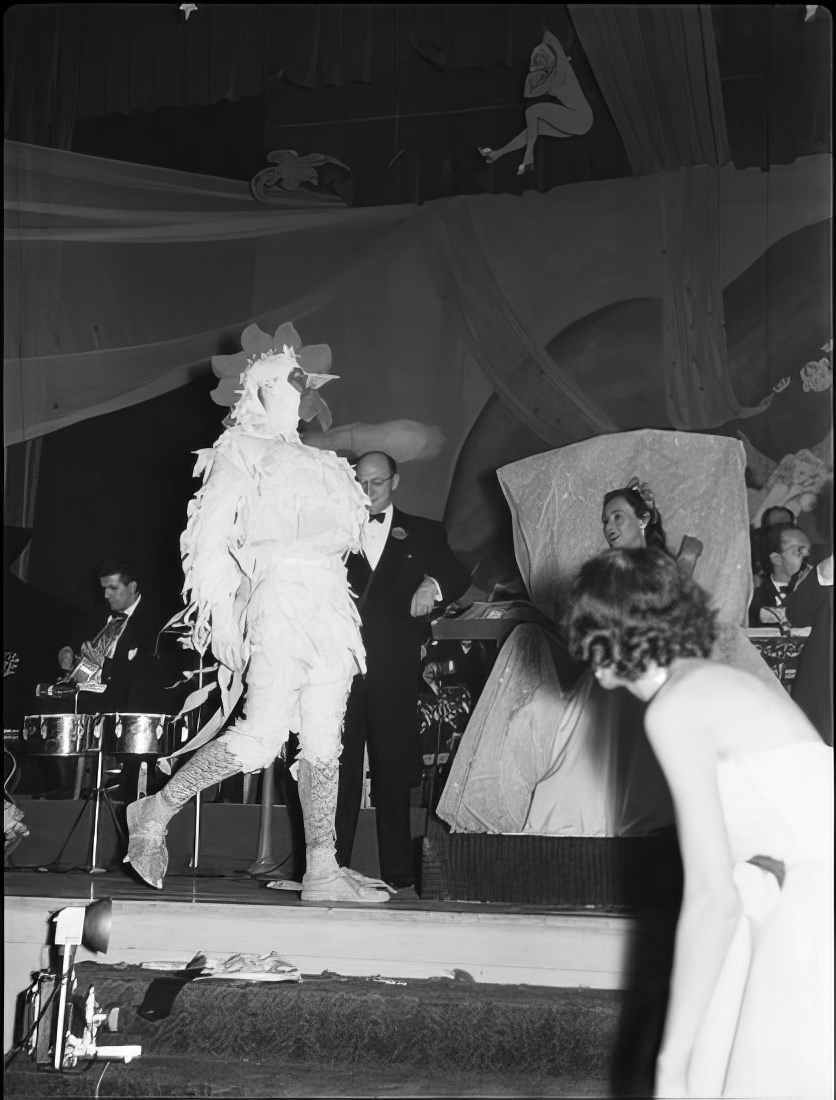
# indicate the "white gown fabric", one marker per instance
pixel 768 1031
pixel 541 756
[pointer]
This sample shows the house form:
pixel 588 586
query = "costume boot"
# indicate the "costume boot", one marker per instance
pixel 324 879
pixel 148 817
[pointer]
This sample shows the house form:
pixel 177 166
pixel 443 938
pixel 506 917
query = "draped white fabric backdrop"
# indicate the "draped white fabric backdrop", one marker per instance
pixel 123 280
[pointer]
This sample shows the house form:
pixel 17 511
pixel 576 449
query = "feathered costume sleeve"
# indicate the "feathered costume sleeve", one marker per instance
pixel 217 583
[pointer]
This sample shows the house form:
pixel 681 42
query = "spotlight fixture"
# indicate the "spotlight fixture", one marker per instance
pixel 62 1034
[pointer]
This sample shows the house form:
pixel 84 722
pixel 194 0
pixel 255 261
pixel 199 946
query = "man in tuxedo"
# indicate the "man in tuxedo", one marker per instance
pixel 405 572
pixel 811 604
pixel 121 653
pixel 785 551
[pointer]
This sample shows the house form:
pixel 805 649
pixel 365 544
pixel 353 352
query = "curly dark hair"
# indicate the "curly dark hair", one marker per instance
pixel 633 607
pixel 654 533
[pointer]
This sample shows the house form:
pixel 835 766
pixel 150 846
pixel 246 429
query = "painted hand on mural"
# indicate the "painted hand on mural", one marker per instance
pixel 404 440
pixel 550 74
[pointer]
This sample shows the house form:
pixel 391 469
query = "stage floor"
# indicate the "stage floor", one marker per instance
pixel 407 938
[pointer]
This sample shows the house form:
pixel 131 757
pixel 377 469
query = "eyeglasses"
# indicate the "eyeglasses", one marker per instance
pixel 376 482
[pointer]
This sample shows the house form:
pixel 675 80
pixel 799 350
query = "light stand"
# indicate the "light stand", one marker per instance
pixel 60 1046
pixel 97 795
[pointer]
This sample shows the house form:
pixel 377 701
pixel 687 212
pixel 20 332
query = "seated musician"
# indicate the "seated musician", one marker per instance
pixel 118 667
pixel 785 549
pixel 108 662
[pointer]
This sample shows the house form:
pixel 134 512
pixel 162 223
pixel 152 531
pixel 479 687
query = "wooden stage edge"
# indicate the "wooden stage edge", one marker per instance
pixel 230 912
pixel 400 939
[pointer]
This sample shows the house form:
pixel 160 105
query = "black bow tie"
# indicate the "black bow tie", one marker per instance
pixel 118 614
pixel 378 517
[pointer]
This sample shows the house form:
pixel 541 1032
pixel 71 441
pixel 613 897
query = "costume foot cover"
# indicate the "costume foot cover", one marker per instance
pixel 341 885
pixel 147 852
pixel 364 880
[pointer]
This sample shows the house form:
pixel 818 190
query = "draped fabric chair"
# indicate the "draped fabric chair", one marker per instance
pixel 541 753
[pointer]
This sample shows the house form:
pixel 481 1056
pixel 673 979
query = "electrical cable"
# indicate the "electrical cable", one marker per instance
pixel 98 1083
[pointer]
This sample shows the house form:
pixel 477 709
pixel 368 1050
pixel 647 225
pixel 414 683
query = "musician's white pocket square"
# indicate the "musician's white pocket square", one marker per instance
pixel 132 653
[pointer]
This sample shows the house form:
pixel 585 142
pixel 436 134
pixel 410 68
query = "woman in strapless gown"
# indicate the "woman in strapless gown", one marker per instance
pixel 750 1012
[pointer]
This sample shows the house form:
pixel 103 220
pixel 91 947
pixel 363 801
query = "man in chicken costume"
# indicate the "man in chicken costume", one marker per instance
pixel 263 556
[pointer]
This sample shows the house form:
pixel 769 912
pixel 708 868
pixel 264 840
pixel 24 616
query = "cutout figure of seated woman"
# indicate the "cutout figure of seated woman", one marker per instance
pixel 550 74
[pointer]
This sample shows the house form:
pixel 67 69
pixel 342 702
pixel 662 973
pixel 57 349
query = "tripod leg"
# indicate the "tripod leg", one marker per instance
pixel 85 807
pixel 93 869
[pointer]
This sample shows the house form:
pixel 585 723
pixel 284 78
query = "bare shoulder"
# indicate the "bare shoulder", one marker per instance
pixel 727 706
pixel 697 689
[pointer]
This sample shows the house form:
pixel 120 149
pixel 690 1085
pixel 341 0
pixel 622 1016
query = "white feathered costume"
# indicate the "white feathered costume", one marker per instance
pixel 263 555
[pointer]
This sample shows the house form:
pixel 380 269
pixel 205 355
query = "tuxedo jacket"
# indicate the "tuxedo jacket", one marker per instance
pixel 416 547
pixel 765 595
pixel 806 601
pixel 132 660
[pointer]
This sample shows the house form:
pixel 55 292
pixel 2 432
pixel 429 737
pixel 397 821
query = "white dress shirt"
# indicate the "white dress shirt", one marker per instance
pixel 375 536
pixel 111 649
pixel 128 610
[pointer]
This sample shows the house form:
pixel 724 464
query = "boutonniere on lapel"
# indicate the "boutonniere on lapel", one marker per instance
pixel 398 533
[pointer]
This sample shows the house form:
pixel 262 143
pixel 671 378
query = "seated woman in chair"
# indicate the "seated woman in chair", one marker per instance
pixel 631 519
pixel 547 751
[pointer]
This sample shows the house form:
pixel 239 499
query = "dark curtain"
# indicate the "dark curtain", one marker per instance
pixel 657 69
pixel 100 59
pixel 777 70
pixel 122 58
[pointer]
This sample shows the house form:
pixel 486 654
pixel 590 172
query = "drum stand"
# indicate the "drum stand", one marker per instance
pixel 195 870
pixel 96 796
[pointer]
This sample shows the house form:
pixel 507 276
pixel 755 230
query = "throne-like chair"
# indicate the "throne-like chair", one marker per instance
pixel 554 794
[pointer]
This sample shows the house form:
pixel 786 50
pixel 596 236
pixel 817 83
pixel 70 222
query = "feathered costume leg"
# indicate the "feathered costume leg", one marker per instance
pixel 324 879
pixel 148 817
pixel 322 707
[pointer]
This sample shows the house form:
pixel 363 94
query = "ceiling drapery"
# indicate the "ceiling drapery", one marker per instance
pixel 122 282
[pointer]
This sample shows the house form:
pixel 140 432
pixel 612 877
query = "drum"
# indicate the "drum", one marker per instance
pixel 137 734
pixel 60 734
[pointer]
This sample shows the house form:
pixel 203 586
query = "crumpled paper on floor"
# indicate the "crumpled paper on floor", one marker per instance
pixel 244 966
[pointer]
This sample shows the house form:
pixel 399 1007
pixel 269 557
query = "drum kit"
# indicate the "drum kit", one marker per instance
pixel 100 735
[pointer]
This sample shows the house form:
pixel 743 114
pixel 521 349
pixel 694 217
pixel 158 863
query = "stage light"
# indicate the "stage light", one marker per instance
pixel 89 925
pixel 67 1034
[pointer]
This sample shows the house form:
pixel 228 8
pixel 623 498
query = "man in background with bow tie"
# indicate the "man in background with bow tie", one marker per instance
pixel 785 552
pixel 119 653
pixel 405 573
pixel 118 663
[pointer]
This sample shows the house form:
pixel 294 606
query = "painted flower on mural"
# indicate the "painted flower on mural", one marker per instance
pixel 781 384
pixel 803 472
pixel 314 359
pixel 817 376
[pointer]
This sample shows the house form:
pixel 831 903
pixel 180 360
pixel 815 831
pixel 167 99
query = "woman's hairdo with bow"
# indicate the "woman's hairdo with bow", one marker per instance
pixel 646 493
